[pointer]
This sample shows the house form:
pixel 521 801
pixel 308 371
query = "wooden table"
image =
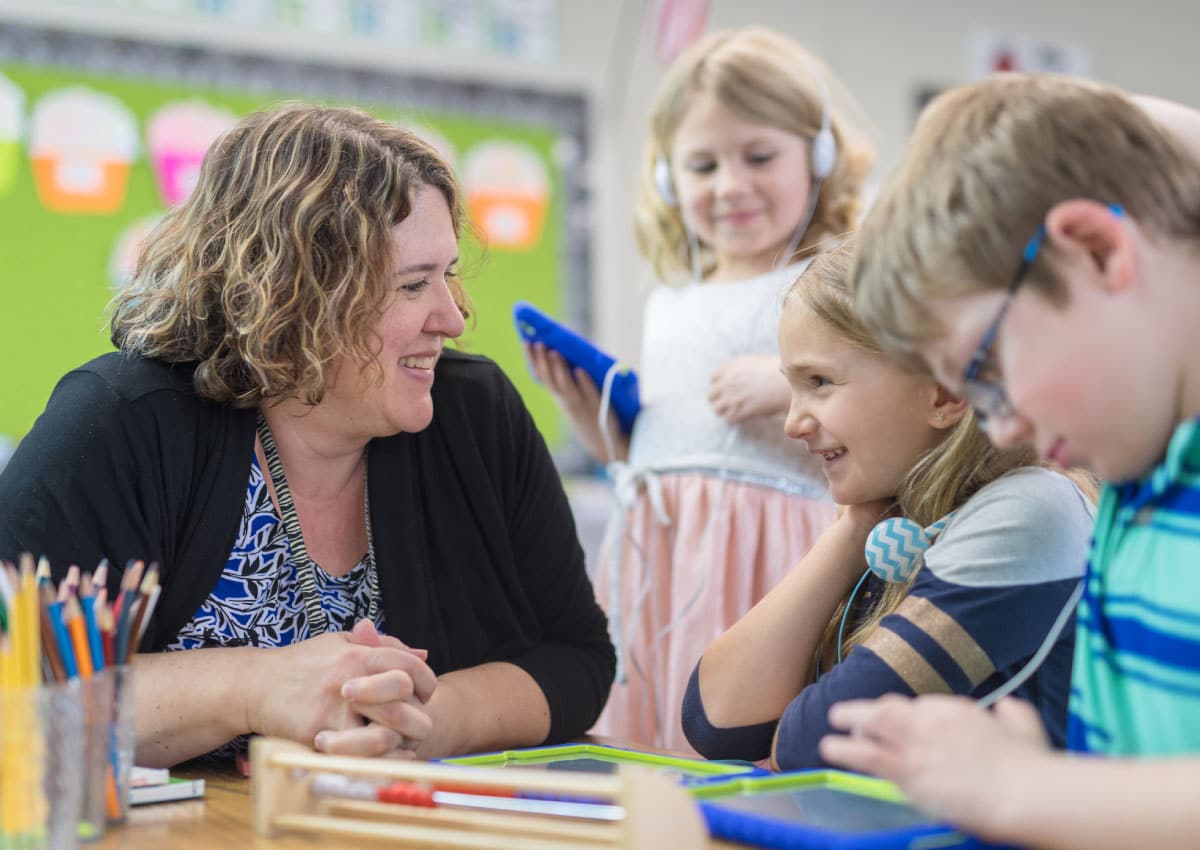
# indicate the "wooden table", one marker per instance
pixel 221 821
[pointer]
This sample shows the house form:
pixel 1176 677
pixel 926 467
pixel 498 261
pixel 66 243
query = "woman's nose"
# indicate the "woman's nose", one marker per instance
pixel 446 318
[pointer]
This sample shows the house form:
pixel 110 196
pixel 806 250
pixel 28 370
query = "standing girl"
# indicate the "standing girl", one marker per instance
pixel 748 167
pixel 960 607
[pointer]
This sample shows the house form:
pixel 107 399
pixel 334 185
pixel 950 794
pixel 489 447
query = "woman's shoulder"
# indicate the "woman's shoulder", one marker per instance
pixel 119 385
pixel 462 371
pixel 131 376
pixel 473 388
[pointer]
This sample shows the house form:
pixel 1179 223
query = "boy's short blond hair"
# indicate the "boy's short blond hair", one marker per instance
pixel 765 78
pixel 983 167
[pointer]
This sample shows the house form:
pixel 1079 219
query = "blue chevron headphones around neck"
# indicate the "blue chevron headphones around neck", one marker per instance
pixel 894 549
pixel 895 546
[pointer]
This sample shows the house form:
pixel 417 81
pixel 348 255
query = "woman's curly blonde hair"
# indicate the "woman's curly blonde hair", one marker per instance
pixel 766 78
pixel 278 262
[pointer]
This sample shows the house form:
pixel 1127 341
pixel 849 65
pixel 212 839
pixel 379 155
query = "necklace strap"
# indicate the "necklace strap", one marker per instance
pixel 305 568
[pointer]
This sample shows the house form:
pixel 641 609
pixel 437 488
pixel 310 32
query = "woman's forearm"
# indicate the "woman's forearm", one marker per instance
pixel 489 707
pixel 189 703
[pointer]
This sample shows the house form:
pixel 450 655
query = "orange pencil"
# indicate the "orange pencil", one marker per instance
pixel 73 617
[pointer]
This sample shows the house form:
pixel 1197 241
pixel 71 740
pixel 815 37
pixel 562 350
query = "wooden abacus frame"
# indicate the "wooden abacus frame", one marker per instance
pixel 658 813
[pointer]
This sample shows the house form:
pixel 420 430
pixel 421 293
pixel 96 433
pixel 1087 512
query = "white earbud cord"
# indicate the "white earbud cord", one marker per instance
pixel 814 196
pixel 1020 677
pixel 605 402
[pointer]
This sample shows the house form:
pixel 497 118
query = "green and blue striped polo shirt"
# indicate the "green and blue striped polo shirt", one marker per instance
pixel 1136 681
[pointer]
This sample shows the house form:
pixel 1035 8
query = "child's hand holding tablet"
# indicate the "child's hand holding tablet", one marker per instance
pixel 534 326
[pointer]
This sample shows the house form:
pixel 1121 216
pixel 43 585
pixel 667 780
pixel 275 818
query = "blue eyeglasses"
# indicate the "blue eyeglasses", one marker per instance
pixel 988 397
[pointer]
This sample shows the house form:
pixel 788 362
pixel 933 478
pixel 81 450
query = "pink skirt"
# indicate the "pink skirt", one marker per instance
pixel 683 584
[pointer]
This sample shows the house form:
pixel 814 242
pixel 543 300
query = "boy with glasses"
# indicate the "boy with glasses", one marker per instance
pixel 1039 250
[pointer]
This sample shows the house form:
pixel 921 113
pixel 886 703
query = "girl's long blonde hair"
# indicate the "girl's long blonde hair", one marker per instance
pixel 278 262
pixel 943 479
pixel 766 78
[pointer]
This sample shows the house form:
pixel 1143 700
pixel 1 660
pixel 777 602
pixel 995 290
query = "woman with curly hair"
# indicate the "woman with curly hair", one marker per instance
pixel 363 542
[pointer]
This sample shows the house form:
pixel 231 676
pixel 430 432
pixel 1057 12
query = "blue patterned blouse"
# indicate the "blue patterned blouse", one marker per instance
pixel 258 601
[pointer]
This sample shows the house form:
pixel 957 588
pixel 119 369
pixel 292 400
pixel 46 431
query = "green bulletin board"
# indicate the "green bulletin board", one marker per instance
pixel 59 267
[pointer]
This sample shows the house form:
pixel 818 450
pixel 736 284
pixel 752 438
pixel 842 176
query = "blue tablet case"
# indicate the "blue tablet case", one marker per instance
pixel 822 810
pixel 535 326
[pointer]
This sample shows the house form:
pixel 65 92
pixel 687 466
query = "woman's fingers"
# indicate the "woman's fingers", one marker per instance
pixel 408 719
pixel 386 660
pixel 378 688
pixel 373 739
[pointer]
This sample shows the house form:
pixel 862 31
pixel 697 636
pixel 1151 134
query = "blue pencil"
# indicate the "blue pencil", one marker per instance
pixel 54 609
pixel 93 631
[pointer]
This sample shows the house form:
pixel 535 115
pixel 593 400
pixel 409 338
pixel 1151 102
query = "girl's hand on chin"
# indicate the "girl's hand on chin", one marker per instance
pixel 866 515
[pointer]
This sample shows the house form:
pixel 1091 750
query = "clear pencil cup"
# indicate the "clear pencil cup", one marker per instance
pixel 123 738
pixel 99 789
pixel 41 751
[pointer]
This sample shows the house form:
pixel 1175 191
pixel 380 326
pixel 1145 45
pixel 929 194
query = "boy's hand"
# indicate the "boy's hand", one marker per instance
pixel 950 757
pixel 748 386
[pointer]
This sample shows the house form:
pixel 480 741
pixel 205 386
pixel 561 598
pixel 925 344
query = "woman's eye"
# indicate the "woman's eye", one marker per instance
pixel 701 167
pixel 818 381
pixel 415 288
pixel 760 158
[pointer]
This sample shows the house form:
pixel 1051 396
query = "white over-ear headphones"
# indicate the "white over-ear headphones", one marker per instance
pixel 823 155
pixel 662 181
pixel 822 152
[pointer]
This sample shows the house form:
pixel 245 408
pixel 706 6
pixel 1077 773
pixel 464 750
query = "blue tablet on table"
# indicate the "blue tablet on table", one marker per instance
pixel 535 326
pixel 822 810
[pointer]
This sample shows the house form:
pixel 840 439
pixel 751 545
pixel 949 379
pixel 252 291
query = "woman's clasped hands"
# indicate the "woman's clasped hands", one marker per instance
pixel 358 693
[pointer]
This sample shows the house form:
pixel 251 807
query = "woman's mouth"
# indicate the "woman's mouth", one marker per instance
pixel 424 361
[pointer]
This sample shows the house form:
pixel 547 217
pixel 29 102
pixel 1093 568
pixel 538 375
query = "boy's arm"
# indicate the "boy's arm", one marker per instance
pixel 991 774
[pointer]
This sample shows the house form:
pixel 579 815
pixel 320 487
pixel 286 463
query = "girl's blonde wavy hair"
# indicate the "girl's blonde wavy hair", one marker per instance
pixel 766 78
pixel 278 262
pixel 943 479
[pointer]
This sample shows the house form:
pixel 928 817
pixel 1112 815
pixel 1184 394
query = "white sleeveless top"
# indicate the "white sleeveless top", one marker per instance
pixel 689 332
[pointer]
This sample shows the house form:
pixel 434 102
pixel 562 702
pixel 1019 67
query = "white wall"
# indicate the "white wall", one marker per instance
pixel 881 50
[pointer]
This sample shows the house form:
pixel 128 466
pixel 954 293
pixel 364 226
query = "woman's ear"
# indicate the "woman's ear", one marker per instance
pixel 1097 233
pixel 947 409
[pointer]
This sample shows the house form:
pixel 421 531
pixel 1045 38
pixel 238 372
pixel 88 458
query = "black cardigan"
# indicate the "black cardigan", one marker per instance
pixel 475 543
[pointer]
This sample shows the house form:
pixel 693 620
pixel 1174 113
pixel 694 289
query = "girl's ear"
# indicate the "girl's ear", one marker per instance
pixel 947 409
pixel 1099 235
